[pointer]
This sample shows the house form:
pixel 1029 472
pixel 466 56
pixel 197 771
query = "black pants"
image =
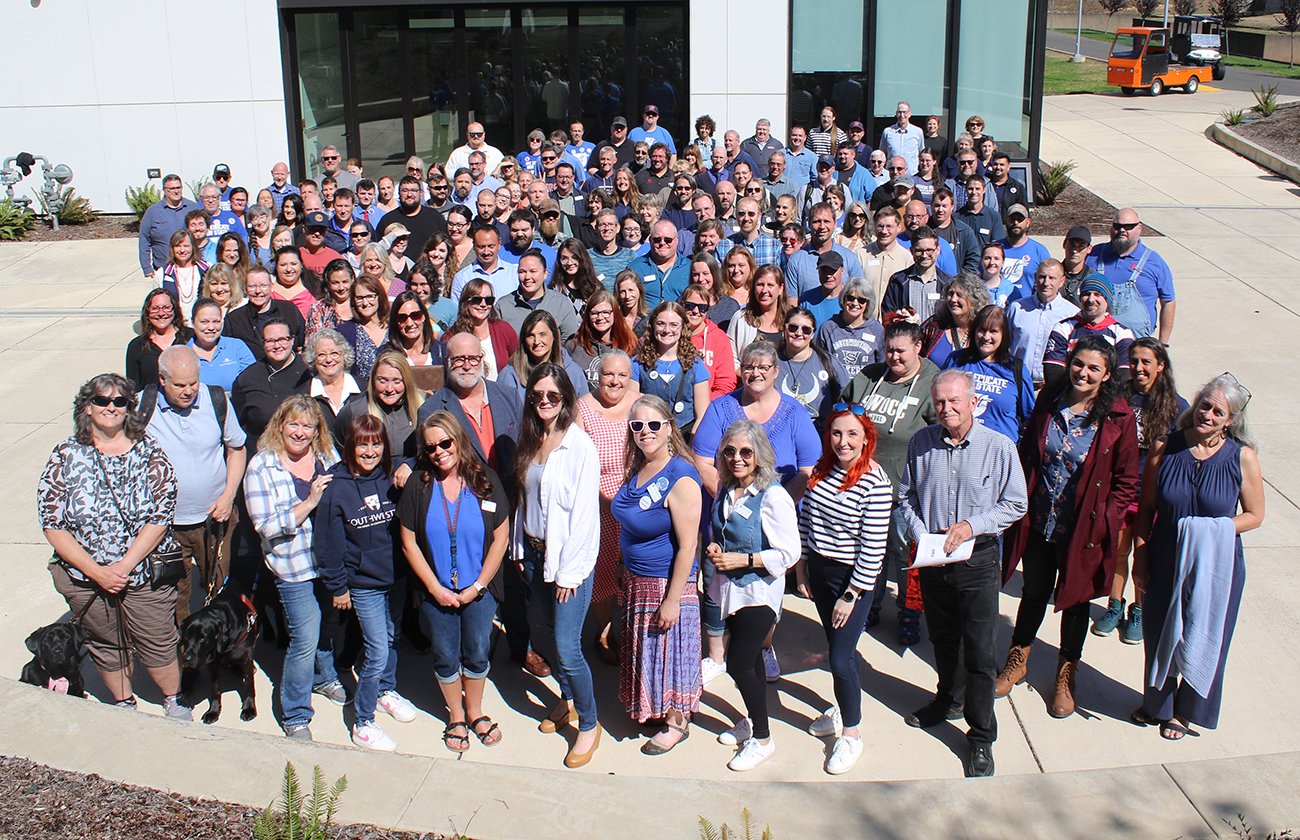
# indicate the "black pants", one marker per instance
pixel 1039 568
pixel 748 628
pixel 961 614
pixel 828 581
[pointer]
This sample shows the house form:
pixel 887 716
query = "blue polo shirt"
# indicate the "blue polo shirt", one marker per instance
pixel 229 359
pixel 504 278
pixel 662 285
pixel 1154 284
pixel 196 447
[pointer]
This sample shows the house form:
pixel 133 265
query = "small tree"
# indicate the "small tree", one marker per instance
pixel 1111 7
pixel 1230 13
pixel 1184 7
pixel 1146 8
pixel 1289 21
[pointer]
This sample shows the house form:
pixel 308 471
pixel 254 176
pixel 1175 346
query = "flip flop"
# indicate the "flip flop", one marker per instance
pixel 1172 730
pixel 1141 718
pixel 450 739
pixel 486 734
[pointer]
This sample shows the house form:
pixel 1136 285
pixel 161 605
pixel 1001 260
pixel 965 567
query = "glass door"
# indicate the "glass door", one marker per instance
pixel 378 71
pixel 435 115
pixel 320 87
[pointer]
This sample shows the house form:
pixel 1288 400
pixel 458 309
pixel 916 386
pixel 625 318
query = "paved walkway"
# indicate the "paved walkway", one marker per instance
pixel 67 313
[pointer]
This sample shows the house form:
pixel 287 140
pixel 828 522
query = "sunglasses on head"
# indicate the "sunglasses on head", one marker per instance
pixel 638 426
pixel 104 401
pixel 856 408
pixel 545 397
pixel 745 453
pixel 479 300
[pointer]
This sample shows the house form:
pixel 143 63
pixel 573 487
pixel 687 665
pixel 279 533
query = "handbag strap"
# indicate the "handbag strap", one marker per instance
pixel 112 492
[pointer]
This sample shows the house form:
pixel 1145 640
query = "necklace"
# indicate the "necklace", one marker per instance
pixel 452 525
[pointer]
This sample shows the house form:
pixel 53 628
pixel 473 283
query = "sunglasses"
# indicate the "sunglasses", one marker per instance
pixel 1243 388
pixel 479 300
pixel 798 329
pixel 661 240
pixel 549 158
pixel 695 307
pixel 545 397
pixel 856 408
pixel 475 134
pixel 638 426
pixel 745 453
pixel 855 299
pixel 445 444
pixel 104 402
pixel 403 317
pixel 1122 226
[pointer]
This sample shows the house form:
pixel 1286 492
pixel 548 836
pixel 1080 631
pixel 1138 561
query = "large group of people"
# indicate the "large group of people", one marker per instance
pixel 656 395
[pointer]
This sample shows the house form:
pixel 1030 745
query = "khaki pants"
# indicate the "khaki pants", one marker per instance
pixel 211 556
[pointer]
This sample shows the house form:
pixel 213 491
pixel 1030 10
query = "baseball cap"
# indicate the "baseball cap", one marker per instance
pixel 857 125
pixel 221 171
pixel 904 181
pixel 825 159
pixel 316 218
pixel 651 109
pixel 619 121
pixel 1014 209
pixel 830 260
pixel 1081 233
pixel 394 233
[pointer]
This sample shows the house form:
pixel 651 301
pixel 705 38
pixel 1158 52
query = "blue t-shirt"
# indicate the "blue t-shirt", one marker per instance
pixel 995 394
pixel 528 162
pixel 790 431
pixel 666 382
pixel 648 541
pixel 582 153
pixel 470 534
pixel 1021 263
pixel 822 307
pixel 659 135
pixel 222 223
pixel 229 359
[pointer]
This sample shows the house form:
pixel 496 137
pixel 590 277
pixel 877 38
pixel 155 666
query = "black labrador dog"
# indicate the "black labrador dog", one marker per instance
pixel 56 660
pixel 223 633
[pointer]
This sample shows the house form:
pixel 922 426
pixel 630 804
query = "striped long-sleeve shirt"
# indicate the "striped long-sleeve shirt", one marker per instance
pixel 850 526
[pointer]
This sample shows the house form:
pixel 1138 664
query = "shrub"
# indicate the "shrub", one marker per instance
pixel 1265 100
pixel 15 220
pixel 1233 116
pixel 196 186
pixel 76 210
pixel 291 823
pixel 708 832
pixel 1056 177
pixel 140 199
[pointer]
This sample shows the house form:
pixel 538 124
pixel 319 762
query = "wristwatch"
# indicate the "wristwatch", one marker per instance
pixel 848 597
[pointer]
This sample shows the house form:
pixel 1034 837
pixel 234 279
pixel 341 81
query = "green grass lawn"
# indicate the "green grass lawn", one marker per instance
pixel 1276 68
pixel 1060 76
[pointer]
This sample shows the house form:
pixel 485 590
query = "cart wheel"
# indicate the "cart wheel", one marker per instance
pixel 1193 83
pixel 1217 72
pixel 1128 91
pixel 1157 87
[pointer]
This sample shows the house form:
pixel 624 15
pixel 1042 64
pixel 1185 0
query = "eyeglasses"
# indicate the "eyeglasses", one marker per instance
pixel 762 369
pixel 161 310
pixel 275 341
pixel 1123 226
pixel 367 298
pixel 104 402
pixel 638 426
pixel 662 240
pixel 798 329
pixel 856 408
pixel 331 356
pixel 861 301
pixel 601 313
pixel 416 316
pixel 479 300
pixel 465 361
pixel 1243 388
pixel 695 307
pixel 917 250
pixel 545 397
pixel 445 444
pixel 745 453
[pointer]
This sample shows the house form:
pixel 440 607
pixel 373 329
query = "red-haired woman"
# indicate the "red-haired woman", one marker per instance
pixel 844 526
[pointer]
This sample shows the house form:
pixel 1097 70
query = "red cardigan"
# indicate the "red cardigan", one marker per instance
pixel 1106 488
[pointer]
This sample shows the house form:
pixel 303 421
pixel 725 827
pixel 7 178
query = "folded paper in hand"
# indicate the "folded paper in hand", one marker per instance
pixel 929 551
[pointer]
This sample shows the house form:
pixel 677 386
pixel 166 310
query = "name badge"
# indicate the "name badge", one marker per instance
pixel 744 511
pixel 489 506
pixel 869 338
pixel 984 231
pixel 654 493
pixel 650 278
pixel 679 407
pixel 871 263
pixel 932 295
pixel 600 277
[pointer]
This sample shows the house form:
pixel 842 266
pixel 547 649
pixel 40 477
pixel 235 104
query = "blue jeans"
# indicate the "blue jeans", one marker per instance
pixel 710 612
pixel 828 580
pixel 461 637
pixel 304 665
pixel 371 606
pixel 565 623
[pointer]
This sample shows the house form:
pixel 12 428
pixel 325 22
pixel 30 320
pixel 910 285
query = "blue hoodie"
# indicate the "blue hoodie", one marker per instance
pixel 354 538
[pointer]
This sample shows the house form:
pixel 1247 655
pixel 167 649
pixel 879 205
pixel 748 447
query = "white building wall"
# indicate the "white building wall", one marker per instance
pixel 740 63
pixel 115 87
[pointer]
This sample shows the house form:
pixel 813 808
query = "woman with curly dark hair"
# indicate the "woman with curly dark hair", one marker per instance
pixel 1079 452
pixel 106 500
pixel 706 140
pixel 161 326
pixel 672 368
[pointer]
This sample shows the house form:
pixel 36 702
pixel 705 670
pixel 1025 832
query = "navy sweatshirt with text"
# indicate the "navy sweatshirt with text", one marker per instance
pixel 355 531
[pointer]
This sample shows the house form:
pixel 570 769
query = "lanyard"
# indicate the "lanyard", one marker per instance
pixel 452 525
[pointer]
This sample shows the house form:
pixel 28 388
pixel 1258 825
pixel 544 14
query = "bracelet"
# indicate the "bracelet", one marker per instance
pixel 751 560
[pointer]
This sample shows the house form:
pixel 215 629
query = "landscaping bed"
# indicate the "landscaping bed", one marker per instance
pixel 104 227
pixel 1074 206
pixel 1280 133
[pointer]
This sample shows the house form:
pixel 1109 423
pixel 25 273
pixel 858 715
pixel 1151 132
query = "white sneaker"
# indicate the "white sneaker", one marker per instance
pixel 710 670
pixel 397 706
pixel 369 735
pixel 828 724
pixel 844 755
pixel 752 754
pixel 737 734
pixel 770 665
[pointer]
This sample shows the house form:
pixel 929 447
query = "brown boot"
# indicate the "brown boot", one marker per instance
pixel 1014 673
pixel 1063 696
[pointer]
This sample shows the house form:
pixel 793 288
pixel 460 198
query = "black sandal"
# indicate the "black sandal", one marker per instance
pixel 1141 718
pixel 449 738
pixel 487 733
pixel 1172 730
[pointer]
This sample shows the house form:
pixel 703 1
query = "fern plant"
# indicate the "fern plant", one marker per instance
pixel 76 210
pixel 15 220
pixel 291 822
pixel 140 199
pixel 709 832
pixel 1056 177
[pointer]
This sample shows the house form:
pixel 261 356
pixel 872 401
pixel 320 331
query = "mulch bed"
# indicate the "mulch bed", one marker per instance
pixel 1280 133
pixel 104 227
pixel 1075 206
pixel 41 803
